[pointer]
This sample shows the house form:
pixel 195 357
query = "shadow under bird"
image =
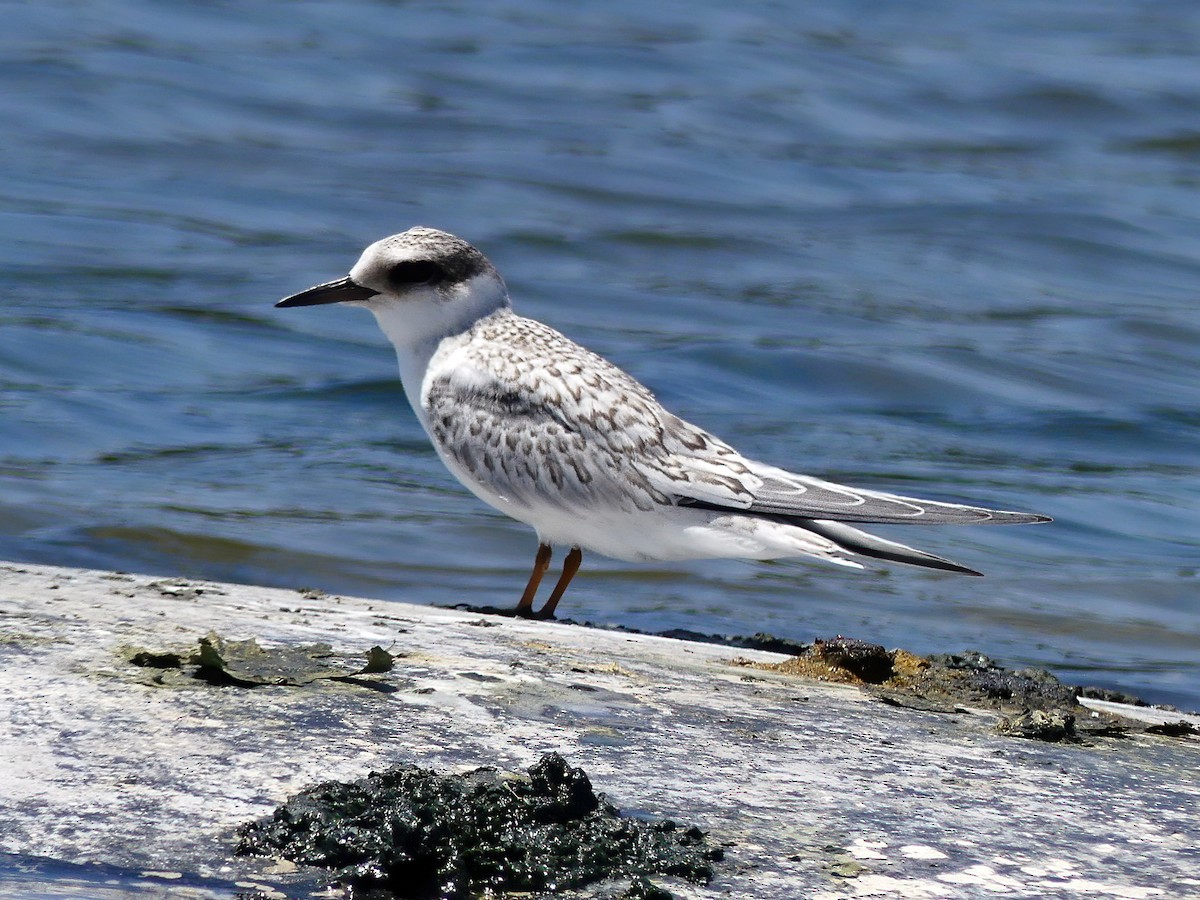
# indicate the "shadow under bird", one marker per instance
pixel 561 439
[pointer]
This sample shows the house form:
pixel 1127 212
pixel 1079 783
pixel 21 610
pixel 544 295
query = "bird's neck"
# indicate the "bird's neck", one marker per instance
pixel 419 330
pixel 415 326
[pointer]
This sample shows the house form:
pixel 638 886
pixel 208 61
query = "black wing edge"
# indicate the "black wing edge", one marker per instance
pixel 876 547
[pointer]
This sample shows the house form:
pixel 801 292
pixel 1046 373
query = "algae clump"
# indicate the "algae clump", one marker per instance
pixel 420 834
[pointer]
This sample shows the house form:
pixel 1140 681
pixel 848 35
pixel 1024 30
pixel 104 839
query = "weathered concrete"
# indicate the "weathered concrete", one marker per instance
pixel 819 790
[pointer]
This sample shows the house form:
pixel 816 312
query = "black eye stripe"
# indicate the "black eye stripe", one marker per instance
pixel 410 273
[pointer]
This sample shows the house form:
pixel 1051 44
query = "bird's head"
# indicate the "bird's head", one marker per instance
pixel 420 284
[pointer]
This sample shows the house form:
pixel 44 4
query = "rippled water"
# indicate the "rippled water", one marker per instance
pixel 946 249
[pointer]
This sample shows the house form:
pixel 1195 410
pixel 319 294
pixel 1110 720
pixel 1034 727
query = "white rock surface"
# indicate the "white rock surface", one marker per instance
pixel 819 791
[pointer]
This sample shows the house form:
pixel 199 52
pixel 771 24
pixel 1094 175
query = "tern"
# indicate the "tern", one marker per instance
pixel 561 439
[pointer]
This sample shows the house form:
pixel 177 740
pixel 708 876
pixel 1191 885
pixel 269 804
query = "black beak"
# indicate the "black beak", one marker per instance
pixel 331 292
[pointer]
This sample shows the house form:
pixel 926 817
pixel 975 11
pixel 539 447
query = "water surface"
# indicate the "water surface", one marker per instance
pixel 948 250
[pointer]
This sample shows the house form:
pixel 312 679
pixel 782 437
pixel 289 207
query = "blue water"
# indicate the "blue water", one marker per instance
pixel 946 249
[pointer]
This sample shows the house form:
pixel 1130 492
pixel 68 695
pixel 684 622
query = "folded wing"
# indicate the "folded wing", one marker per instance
pixel 785 495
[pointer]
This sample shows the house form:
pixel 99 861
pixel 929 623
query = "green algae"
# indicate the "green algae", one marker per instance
pixel 420 834
pixel 218 660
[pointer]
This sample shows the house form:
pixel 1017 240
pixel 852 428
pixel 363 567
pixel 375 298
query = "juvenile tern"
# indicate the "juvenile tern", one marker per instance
pixel 561 439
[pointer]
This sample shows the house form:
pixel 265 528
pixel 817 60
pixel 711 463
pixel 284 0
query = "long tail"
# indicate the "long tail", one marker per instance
pixel 855 541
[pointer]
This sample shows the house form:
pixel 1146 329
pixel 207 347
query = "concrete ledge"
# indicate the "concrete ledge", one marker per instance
pixel 817 789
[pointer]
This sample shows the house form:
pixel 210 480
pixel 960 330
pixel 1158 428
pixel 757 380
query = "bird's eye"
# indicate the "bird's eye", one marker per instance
pixel 406 274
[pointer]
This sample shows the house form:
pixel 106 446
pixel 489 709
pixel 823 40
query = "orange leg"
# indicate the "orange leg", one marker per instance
pixel 570 567
pixel 541 563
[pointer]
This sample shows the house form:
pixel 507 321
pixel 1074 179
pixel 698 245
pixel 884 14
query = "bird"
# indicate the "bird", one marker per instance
pixel 561 439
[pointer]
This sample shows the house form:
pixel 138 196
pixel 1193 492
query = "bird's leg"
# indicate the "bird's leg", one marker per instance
pixel 541 563
pixel 570 567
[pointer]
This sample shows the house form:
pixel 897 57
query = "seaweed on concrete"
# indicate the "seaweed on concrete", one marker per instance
pixel 1032 702
pixel 421 834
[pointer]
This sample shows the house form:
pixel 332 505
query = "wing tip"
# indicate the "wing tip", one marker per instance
pixel 1007 517
pixel 945 565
